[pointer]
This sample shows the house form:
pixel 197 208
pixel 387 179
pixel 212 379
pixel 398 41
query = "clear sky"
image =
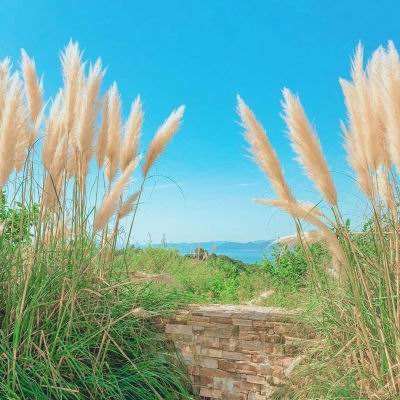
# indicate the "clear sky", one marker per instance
pixel 201 54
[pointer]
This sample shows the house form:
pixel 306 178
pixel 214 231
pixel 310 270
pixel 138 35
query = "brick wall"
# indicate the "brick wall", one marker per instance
pixel 237 352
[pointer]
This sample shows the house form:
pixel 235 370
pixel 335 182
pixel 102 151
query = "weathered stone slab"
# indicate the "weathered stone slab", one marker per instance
pixel 238 352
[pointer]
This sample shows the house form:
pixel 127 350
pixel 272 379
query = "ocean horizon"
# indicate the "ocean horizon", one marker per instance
pixel 247 252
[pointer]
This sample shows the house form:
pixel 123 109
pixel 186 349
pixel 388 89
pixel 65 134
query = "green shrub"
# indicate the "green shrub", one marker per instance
pixel 16 222
pixel 288 267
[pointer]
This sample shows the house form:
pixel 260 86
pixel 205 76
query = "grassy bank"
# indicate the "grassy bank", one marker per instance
pixel 71 332
pixel 216 279
pixel 282 280
pixel 66 334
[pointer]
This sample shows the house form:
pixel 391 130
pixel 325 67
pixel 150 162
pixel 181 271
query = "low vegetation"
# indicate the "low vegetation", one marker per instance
pixel 78 304
pixel 214 280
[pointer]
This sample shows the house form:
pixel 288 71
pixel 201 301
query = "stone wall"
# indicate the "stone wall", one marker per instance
pixel 237 352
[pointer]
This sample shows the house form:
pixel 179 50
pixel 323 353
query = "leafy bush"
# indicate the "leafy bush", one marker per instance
pixel 288 266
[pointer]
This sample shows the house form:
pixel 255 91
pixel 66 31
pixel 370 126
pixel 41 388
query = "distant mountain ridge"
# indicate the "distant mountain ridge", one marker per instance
pixel 249 252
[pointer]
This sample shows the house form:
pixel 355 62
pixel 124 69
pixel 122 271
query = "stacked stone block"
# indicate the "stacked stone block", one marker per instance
pixel 237 352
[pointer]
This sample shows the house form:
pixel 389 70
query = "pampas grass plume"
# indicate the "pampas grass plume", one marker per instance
pixel 103 133
pixel 33 87
pixel 132 134
pixel 298 211
pixel 391 105
pixel 164 134
pixel 4 82
pixel 306 144
pixel 110 202
pixel 308 237
pixel 23 139
pixel 89 109
pixel 356 159
pixel 128 205
pixel 8 129
pixel 72 73
pixel 114 132
pixel 52 129
pixel 263 151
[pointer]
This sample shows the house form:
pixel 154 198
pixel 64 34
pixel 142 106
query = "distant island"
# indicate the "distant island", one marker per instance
pixel 248 252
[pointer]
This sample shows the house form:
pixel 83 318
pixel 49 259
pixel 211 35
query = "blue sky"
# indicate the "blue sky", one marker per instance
pixel 201 54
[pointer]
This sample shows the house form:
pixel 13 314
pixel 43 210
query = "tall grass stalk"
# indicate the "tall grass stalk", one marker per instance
pixel 68 329
pixel 361 290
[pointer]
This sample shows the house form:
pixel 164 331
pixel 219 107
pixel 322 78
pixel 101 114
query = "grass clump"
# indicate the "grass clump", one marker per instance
pixel 359 286
pixel 73 324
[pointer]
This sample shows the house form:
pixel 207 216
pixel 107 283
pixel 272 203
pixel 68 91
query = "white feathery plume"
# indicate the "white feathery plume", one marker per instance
pixel 128 205
pixel 133 126
pixel 52 130
pixel 103 134
pixel 5 66
pixel 23 138
pixel 356 158
pixel 73 76
pixel 391 99
pixel 163 135
pixel 8 128
pixel 111 200
pixel 89 108
pixel 308 237
pixel 33 86
pixel 114 132
pixel 306 145
pixel 377 92
pixel 263 152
